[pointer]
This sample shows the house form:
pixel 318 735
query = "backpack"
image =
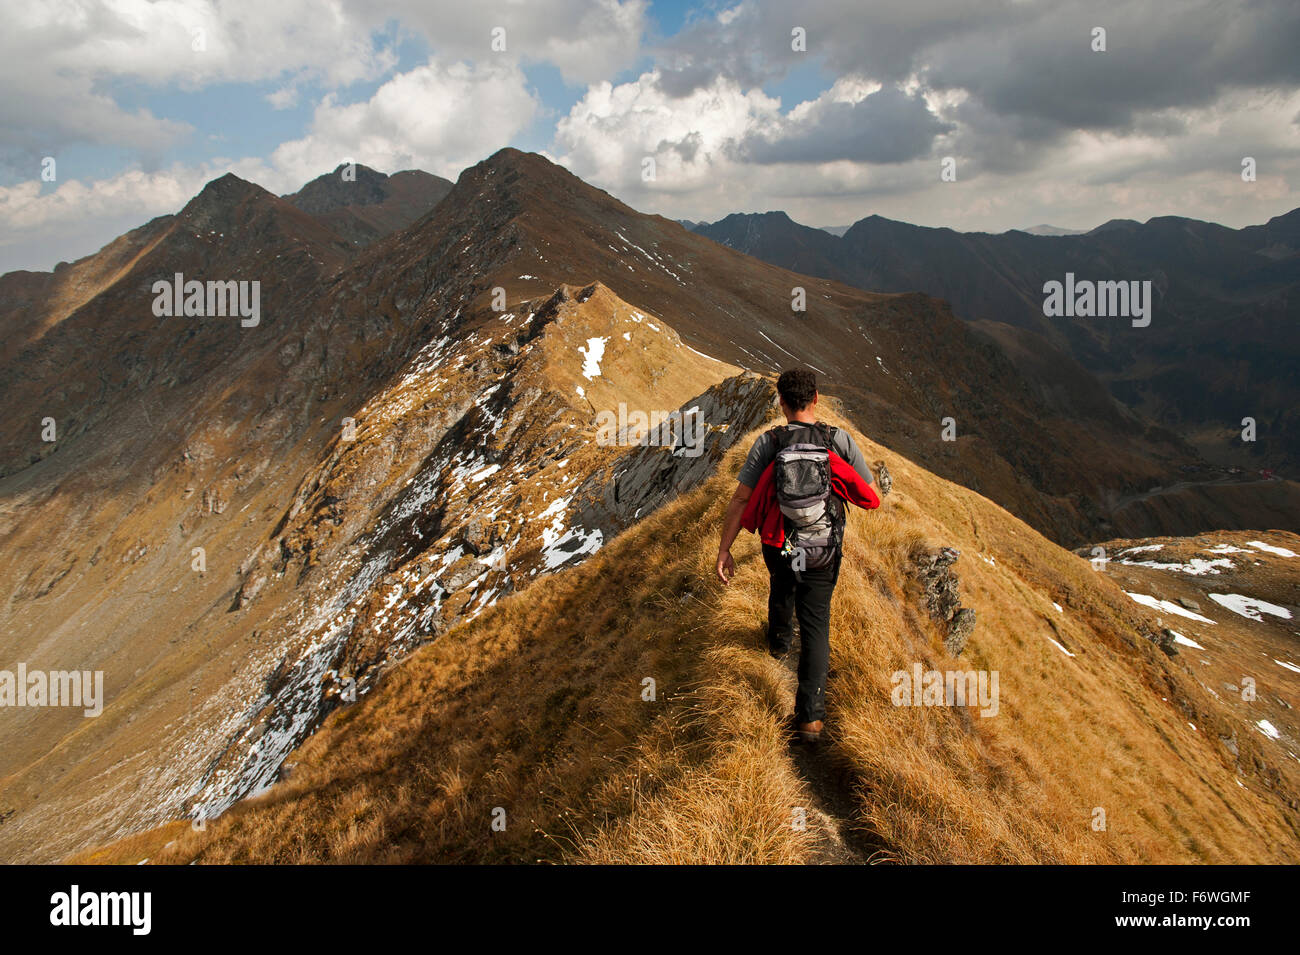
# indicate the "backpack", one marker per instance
pixel 813 515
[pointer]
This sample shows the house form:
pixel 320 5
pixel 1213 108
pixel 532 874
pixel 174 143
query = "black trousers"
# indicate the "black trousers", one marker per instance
pixel 810 598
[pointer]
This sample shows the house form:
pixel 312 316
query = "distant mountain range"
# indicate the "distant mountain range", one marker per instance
pixel 1223 343
pixel 1044 229
pixel 839 230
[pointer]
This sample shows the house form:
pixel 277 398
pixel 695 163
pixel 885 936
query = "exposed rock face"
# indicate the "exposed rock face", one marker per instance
pixel 942 598
pixel 249 589
pixel 674 459
pixel 461 485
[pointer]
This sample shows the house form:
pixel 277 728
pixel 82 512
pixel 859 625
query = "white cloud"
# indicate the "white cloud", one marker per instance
pixel 61 52
pixel 612 129
pixel 195 42
pixel 1139 148
pixel 586 40
pixel 434 117
pixel 67 57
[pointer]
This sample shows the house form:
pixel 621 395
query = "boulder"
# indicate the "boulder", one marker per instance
pixel 479 536
pixel 1164 639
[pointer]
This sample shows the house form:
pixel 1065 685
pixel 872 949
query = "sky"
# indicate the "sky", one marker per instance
pixel 1066 112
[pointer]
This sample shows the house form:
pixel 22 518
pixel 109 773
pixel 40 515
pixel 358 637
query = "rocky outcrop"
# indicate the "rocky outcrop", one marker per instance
pixel 1165 640
pixel 677 456
pixel 941 597
pixel 884 480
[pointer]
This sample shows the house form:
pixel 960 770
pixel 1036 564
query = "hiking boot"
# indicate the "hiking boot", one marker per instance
pixel 809 733
pixel 776 652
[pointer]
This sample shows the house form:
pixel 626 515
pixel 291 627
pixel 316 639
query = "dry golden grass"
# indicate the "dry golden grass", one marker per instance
pixel 536 707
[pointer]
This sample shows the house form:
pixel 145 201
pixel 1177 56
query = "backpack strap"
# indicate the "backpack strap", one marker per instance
pixel 827 432
pixel 782 434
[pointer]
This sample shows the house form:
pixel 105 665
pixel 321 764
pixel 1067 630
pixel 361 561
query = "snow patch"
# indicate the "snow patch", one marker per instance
pixel 1269 548
pixel 1167 606
pixel 1061 648
pixel 591 356
pixel 1185 641
pixel 1141 549
pixel 702 355
pixel 1268 729
pixel 573 543
pixel 1250 606
pixel 1196 567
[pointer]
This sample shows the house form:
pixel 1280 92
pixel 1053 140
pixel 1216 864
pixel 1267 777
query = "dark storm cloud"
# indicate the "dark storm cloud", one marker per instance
pixel 872 38
pixel 885 127
pixel 1158 56
pixel 1027 70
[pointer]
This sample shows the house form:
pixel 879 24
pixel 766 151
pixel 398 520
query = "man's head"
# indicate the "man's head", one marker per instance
pixel 798 390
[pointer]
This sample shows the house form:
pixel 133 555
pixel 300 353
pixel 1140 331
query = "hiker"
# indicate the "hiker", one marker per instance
pixel 792 489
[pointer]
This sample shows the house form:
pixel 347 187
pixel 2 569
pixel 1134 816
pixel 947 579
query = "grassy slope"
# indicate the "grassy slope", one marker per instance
pixel 536 707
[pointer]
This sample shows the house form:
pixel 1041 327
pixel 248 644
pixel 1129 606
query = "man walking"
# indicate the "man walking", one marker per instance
pixel 801 530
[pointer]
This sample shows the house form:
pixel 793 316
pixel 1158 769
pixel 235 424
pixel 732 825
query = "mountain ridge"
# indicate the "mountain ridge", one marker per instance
pixel 379 429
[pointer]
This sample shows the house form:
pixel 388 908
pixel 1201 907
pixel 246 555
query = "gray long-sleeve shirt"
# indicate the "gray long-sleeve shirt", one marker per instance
pixel 764 451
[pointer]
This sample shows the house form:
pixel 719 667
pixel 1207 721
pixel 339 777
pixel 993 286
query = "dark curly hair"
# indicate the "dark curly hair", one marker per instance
pixel 797 387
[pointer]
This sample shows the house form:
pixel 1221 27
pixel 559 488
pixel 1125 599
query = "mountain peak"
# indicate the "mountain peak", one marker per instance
pixel 1112 224
pixel 509 156
pixel 771 216
pixel 515 164
pixel 227 188
pixel 368 205
pixel 331 191
pixel 221 195
pixel 1044 228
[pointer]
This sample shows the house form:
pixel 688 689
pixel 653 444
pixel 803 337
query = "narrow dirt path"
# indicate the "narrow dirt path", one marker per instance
pixel 835 805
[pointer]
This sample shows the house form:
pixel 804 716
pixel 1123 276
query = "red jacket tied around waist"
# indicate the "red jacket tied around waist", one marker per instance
pixel 763 515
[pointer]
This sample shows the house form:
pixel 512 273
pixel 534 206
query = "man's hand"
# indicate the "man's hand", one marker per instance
pixel 726 566
pixel 730 528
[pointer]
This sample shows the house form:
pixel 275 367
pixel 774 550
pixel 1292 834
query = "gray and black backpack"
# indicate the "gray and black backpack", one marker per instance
pixel 813 513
